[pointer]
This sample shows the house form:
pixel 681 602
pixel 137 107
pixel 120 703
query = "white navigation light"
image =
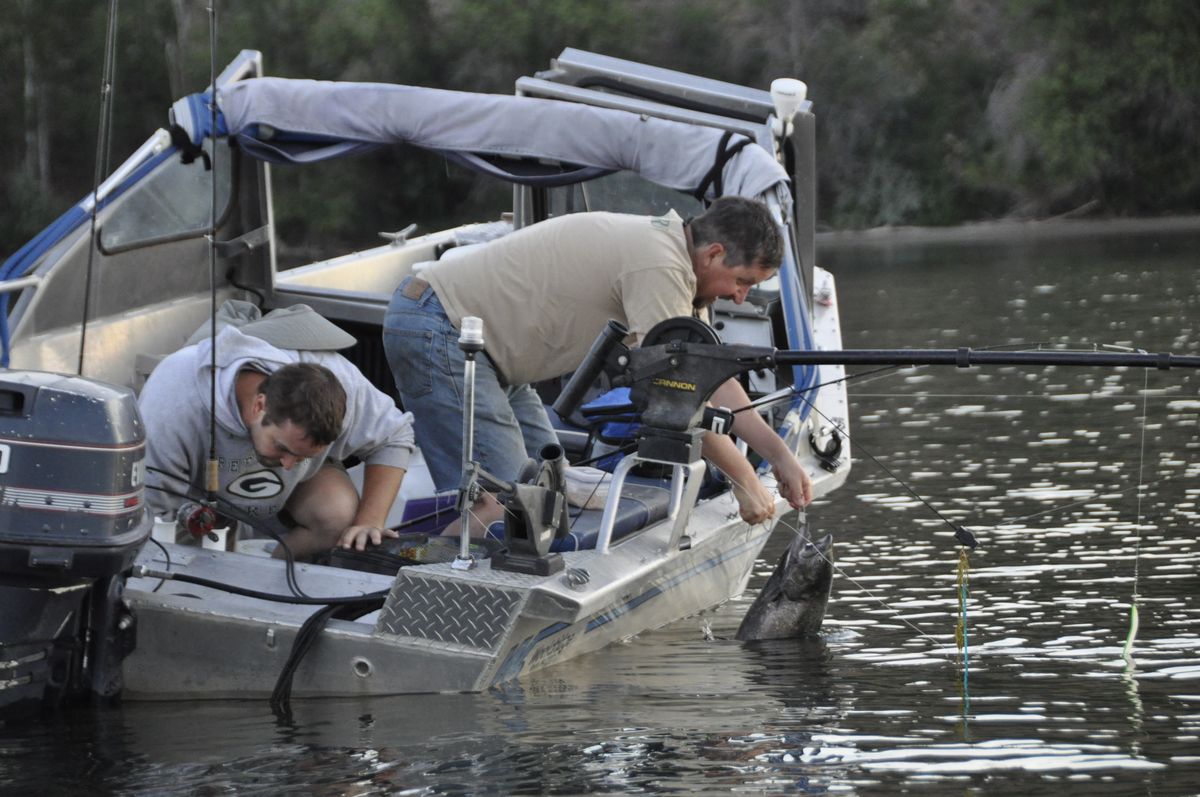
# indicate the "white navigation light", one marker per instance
pixel 471 331
pixel 787 94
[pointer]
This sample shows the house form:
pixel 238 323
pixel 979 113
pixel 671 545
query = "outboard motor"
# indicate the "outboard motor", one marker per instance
pixel 72 519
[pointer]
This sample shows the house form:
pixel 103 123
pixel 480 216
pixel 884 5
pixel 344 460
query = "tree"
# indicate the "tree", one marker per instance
pixel 1113 114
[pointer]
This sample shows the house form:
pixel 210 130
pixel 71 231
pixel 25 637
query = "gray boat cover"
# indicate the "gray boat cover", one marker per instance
pixel 286 120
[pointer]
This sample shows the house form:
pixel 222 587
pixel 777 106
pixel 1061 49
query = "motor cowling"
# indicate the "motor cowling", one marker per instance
pixel 72 520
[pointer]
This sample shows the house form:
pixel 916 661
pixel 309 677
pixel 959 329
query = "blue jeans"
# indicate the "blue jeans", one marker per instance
pixel 511 424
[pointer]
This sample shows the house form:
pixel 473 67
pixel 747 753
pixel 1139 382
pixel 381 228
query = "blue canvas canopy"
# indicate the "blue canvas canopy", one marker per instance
pixel 297 121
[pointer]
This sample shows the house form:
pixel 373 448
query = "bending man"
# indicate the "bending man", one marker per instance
pixel 544 292
pixel 285 420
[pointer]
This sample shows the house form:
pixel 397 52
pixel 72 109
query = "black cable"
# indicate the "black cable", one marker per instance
pixel 230 278
pixel 166 554
pixel 306 637
pixel 246 592
pixel 238 514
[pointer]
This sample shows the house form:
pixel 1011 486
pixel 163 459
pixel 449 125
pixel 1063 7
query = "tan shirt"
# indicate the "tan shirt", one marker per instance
pixel 545 292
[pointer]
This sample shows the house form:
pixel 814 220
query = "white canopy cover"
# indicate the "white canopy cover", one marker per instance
pixel 285 120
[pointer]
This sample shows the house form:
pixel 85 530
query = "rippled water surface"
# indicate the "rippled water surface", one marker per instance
pixel 1080 484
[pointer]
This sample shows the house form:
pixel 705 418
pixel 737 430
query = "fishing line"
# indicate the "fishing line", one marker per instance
pixel 960 630
pixel 1127 652
pixel 961 533
pixel 773 399
pixel 787 393
pixel 894 611
pixel 103 147
pixel 1055 509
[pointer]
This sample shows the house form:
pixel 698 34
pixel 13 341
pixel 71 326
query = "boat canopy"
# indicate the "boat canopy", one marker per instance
pixel 298 121
pixel 525 140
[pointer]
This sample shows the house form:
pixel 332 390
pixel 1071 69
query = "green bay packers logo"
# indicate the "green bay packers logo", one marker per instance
pixel 257 485
pixel 674 384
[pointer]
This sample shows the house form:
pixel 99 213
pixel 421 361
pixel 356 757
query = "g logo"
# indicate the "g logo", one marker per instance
pixel 258 485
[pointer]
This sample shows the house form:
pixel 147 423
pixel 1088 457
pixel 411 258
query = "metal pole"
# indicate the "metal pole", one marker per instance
pixel 470 340
pixel 965 357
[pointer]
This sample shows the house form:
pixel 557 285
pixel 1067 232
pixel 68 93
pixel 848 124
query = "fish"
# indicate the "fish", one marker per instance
pixel 792 602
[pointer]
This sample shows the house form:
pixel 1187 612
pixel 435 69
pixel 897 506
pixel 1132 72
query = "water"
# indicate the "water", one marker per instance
pixel 1044 466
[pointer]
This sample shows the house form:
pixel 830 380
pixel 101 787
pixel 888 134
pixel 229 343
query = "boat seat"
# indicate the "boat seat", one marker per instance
pixel 643 502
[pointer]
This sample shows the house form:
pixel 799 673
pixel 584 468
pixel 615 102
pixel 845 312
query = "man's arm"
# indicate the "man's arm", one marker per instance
pixel 175 457
pixel 381 484
pixel 754 503
pixel 794 484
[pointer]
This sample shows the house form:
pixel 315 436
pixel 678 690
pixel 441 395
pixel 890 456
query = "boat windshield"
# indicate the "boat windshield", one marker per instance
pixel 174 201
pixel 622 192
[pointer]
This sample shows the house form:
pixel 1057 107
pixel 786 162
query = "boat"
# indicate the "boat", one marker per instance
pixel 97 606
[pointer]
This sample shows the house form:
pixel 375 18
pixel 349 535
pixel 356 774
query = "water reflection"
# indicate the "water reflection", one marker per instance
pixel 1082 486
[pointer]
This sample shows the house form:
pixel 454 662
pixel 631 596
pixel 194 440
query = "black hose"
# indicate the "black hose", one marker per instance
pixel 306 637
pixel 253 593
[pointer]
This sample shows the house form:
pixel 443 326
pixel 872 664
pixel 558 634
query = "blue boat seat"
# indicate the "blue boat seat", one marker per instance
pixel 643 502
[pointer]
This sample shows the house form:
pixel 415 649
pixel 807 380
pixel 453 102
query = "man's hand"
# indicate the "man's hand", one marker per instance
pixel 794 484
pixel 755 504
pixel 356 537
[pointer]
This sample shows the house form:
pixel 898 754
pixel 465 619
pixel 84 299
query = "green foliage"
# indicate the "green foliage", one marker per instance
pixel 1114 114
pixel 929 111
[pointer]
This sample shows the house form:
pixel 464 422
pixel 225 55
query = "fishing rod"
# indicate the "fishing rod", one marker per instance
pixel 965 357
pixel 681 362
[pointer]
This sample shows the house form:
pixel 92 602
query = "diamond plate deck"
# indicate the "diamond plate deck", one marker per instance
pixel 452 610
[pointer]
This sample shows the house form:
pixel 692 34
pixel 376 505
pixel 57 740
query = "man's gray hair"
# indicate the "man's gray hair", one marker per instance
pixel 744 227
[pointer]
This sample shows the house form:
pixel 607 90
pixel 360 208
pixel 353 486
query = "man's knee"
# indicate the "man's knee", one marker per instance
pixel 326 503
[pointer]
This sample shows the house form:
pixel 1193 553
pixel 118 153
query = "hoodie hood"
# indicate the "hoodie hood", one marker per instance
pixel 236 352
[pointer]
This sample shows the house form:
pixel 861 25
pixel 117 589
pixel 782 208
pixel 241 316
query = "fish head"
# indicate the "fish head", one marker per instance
pixel 807 567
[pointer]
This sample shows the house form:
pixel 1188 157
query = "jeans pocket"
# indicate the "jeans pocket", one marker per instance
pixel 410 355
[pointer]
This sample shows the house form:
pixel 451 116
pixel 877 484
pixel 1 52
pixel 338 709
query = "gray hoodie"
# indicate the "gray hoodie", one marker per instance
pixel 175 407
